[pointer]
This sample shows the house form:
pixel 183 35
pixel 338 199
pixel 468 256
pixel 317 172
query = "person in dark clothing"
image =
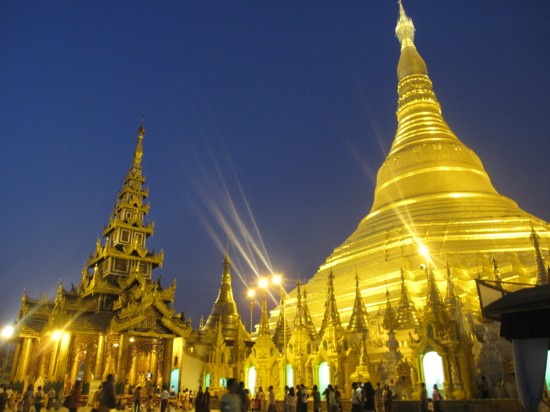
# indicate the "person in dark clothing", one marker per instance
pixel 108 399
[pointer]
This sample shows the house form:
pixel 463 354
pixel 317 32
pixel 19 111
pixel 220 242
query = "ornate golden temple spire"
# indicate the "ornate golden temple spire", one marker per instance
pixel 282 325
pixel 452 298
pixel 390 318
pixel 138 154
pixel 225 308
pixel 332 316
pixel 358 321
pixel 309 321
pixel 264 321
pixel 542 274
pixel 433 300
pixel 407 316
pixel 299 320
pixel 426 157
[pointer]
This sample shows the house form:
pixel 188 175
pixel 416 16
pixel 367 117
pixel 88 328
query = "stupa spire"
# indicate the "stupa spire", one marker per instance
pixel 358 321
pixel 264 321
pixel 390 319
pixel 299 320
pixel 225 309
pixel 426 157
pixel 309 321
pixel 332 316
pixel 407 316
pixel 138 154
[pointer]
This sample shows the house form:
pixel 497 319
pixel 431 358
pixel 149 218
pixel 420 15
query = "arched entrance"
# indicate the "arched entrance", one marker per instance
pixel 289 375
pixel 324 376
pixel 432 364
pixel 252 380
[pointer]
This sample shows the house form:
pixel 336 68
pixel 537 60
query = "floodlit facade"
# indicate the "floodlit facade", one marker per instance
pixel 397 300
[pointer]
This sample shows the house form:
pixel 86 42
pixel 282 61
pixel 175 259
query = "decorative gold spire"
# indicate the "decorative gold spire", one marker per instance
pixel 433 301
pixel 138 154
pixel 410 61
pixel 390 318
pixel 309 322
pixel 426 157
pixel 407 316
pixel 332 316
pixel 451 299
pixel 264 321
pixel 225 308
pixel 358 321
pixel 299 320
pixel 282 325
pixel 542 274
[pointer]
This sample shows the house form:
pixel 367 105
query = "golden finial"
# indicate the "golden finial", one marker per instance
pixel 405 28
pixel 138 154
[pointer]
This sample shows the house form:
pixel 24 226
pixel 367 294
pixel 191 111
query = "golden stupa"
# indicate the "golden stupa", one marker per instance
pixel 436 224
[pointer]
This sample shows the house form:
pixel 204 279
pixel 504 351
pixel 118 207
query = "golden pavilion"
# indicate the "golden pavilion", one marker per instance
pixel 396 301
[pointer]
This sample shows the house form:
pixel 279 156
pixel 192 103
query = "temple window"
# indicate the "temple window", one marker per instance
pixel 125 236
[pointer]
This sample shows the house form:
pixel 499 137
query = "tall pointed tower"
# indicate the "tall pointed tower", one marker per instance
pixel 433 195
pixel 125 250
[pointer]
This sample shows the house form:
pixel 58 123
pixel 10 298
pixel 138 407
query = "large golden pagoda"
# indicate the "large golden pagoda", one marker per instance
pixel 436 224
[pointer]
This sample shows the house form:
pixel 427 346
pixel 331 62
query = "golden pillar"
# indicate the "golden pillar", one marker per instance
pixel 23 362
pixel 62 362
pixel 15 361
pixel 100 356
pixel 167 360
pixel 154 365
pixel 122 363
pixel 53 359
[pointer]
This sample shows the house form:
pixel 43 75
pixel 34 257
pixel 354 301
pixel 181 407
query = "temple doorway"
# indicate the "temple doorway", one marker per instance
pixel 289 375
pixel 175 380
pixel 252 380
pixel 432 364
pixel 324 376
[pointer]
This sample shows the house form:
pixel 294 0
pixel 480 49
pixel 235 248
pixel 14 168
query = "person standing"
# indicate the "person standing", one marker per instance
pixel 76 393
pixel 355 398
pixel 164 396
pixel 436 398
pixel 316 395
pixel 231 401
pixel 271 400
pixel 199 400
pixel 423 398
pixel 378 397
pixel 38 399
pixel 387 398
pixel 108 397
pixel 137 399
pixel 303 398
pixel 290 401
pixel 206 402
pixel 51 398
pixel 28 399
pixel 242 393
pixel 369 397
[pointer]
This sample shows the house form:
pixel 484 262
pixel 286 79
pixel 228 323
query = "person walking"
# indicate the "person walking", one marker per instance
pixel 108 399
pixel 423 398
pixel 437 398
pixel 231 401
pixel 316 395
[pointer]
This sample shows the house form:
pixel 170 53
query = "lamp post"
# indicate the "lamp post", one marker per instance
pixel 251 294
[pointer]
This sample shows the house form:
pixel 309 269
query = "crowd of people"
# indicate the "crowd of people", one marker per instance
pixel 364 398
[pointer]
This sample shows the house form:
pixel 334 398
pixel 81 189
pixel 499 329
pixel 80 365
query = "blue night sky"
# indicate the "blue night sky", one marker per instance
pixel 266 124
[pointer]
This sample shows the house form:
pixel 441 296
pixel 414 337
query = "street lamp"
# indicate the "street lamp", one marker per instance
pixel 251 295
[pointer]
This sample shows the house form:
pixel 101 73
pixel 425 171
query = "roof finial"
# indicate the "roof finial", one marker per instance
pixel 138 154
pixel 405 28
